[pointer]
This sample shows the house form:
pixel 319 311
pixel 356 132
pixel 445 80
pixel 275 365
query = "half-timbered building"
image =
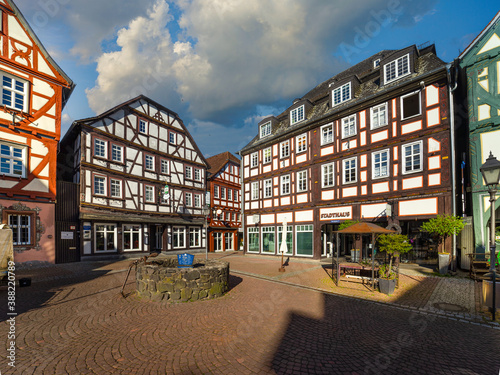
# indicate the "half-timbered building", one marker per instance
pixel 478 102
pixel 34 92
pixel 223 185
pixel 141 180
pixel 371 144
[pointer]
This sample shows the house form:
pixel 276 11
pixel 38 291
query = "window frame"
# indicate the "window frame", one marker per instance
pixel 344 170
pixel 15 160
pixel 268 184
pixel 147 159
pixel 304 228
pixel 286 184
pixel 188 199
pixel 301 177
pixel 151 189
pixel 374 167
pixel 421 156
pixel 322 134
pixel 176 231
pixel 285 145
pixel 323 174
pixel 265 130
pixel 13 91
pixel 268 232
pixel 298 140
pixel 254 190
pixel 104 146
pixel 344 124
pixel 104 184
pixel 403 97
pixel 172 138
pixel 111 180
pixel 253 232
pixel 131 230
pixel 121 148
pixel 146 126
pixel 164 162
pixel 294 115
pixel 194 237
pixel 188 175
pixel 267 155
pixel 254 159
pixel 397 75
pixel 340 95
pixel 372 122
pixel 115 237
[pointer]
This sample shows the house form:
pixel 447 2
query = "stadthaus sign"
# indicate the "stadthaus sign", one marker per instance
pixel 344 212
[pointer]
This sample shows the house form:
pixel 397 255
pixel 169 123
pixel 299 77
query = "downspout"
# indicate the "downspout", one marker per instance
pixel 452 151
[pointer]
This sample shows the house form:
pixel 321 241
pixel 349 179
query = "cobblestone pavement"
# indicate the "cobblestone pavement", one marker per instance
pixel 78 323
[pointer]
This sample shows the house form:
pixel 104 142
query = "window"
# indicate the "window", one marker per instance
pixel 189 199
pixel 99 185
pixel 222 193
pixel 288 241
pixel 285 184
pixel 378 116
pixel 100 148
pixel 301 181
pixel 197 174
pixel 216 191
pixel 304 240
pixel 265 129
pixel 327 134
pixel 412 157
pixel 189 173
pixel 254 159
pixel 149 193
pixel 301 143
pixel 13 160
pixel 255 190
pixel 194 237
pixel 327 176
pixel 143 126
pixel 267 155
pixel 165 166
pixel 178 237
pixel 197 200
pixel 268 188
pixel 171 138
pixel 132 237
pixel 341 94
pixel 350 170
pixel 236 195
pixel 229 194
pixel 116 188
pixel 396 69
pixel 21 229
pixel 376 63
pixel 253 240
pixel 14 92
pixel 380 163
pixel 297 115
pixel 285 149
pixel 349 126
pixel 410 105
pixel 105 237
pixel 117 153
pixel 149 162
pixel 268 240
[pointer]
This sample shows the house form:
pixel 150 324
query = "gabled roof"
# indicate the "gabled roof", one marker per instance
pixel 70 84
pixel 217 162
pixel 426 63
pixel 76 125
pixel 481 35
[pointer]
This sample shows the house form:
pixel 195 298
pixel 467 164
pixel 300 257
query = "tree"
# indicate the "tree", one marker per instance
pixel 347 223
pixel 394 245
pixel 443 226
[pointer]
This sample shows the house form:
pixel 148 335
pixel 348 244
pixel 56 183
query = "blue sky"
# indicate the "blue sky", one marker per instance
pixel 223 65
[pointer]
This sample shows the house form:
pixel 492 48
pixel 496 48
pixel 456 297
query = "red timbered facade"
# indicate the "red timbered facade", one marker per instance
pixel 223 184
pixel 34 92
pixel 141 179
pixel 371 144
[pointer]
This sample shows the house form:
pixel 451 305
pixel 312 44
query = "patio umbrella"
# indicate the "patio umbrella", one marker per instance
pixel 283 247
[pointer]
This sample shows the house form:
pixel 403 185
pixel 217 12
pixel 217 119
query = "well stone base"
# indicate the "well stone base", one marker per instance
pixel 161 280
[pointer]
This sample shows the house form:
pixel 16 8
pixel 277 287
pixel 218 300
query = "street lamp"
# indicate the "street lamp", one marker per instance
pixel 491 175
pixel 206 213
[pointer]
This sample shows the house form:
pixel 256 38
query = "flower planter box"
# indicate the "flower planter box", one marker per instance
pixel 387 286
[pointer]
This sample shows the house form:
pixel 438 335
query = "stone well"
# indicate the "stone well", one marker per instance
pixel 163 280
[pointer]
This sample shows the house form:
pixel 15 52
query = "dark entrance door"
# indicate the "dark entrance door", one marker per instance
pixel 67 242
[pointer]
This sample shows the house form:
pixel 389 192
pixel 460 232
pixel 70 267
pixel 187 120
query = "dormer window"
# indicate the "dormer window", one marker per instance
pixel 265 129
pixel 397 69
pixel 341 94
pixel 297 115
pixel 376 63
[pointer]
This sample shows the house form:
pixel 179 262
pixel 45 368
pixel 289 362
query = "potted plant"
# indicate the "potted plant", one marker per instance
pixel 443 226
pixel 394 245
